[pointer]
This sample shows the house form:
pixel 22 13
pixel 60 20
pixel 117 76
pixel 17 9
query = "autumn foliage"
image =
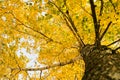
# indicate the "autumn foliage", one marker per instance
pixel 53 32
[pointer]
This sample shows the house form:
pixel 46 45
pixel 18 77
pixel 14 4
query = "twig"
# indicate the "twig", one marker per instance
pixel 28 75
pixel 101 8
pixel 40 74
pixel 80 5
pixel 105 30
pixel 31 28
pixel 113 42
pixel 86 10
pixel 114 51
pixel 22 31
pixel 21 23
pixel 113 5
pixel 16 73
pixel 117 48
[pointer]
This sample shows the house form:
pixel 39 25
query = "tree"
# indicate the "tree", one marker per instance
pixel 64 35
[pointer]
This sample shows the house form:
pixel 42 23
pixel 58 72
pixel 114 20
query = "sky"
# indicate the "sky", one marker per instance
pixel 32 55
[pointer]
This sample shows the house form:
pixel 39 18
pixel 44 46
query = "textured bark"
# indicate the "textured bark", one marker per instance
pixel 100 64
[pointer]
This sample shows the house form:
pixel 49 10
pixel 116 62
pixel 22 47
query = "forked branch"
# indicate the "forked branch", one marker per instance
pixel 26 26
pixel 70 23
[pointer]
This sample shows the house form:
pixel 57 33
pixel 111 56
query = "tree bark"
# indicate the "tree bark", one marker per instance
pixel 100 64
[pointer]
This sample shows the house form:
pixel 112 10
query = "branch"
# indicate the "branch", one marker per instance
pixel 72 30
pixel 48 67
pixel 86 10
pixel 96 23
pixel 70 24
pixel 117 48
pixel 113 5
pixel 75 29
pixel 73 26
pixel 105 30
pixel 31 28
pixel 21 23
pixel 113 42
pixel 24 32
pixel 101 8
pixel 83 8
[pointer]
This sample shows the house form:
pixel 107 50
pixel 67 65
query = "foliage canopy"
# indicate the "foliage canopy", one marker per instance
pixel 52 31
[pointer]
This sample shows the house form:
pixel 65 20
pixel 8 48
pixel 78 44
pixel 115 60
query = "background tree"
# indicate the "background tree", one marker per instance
pixel 60 33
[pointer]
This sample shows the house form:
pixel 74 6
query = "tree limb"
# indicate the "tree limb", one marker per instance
pixel 48 67
pixel 96 23
pixel 70 24
pixel 72 30
pixel 31 28
pixel 101 7
pixel 113 5
pixel 75 29
pixel 117 48
pixel 113 42
pixel 105 30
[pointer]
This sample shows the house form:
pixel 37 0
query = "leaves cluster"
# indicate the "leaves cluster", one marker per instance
pixel 35 24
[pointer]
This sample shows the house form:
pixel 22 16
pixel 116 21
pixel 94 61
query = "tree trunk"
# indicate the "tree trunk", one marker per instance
pixel 100 64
